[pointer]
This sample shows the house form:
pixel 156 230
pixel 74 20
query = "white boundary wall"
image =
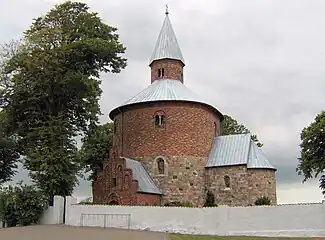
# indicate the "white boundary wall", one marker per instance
pixel 54 214
pixel 298 220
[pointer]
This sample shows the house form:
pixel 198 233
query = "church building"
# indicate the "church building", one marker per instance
pixel 167 145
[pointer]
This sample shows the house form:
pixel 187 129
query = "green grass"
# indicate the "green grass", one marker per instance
pixel 191 237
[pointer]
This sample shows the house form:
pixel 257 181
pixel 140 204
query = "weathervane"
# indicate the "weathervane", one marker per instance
pixel 166 10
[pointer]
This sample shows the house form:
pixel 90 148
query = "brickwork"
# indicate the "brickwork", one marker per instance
pixel 246 185
pixel 116 185
pixel 189 130
pixel 167 69
pixel 262 182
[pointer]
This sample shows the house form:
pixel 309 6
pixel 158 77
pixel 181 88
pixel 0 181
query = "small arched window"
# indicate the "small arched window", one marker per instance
pixel 159 73
pixel 161 166
pixel 159 120
pixel 163 72
pixel 227 181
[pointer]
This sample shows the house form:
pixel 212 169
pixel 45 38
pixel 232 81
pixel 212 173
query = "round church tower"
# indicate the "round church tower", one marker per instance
pixel 167 127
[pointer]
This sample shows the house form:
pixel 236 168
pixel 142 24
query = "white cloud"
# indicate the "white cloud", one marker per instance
pixel 259 61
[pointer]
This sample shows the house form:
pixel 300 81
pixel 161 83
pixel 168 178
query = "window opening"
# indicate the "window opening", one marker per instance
pixel 159 120
pixel 227 181
pixel 159 73
pixel 163 72
pixel 161 166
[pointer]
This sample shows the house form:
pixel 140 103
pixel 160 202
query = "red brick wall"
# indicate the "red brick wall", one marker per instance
pixel 146 199
pixel 126 190
pixel 189 130
pixel 173 69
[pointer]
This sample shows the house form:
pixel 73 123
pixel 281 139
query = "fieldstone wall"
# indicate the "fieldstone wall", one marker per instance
pixel 246 185
pixel 235 195
pixel 182 180
pixel 262 182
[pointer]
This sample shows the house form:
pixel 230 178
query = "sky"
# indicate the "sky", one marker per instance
pixel 261 62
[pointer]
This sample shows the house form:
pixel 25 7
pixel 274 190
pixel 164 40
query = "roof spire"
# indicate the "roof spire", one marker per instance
pixel 167 45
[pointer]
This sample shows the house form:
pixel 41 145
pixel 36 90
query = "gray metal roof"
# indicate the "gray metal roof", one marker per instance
pixel 237 150
pixel 146 184
pixel 165 90
pixel 167 45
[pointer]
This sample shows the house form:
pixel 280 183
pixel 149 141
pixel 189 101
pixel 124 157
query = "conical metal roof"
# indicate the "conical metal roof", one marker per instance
pixel 167 45
pixel 165 90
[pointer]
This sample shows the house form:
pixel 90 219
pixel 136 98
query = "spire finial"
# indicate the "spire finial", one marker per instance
pixel 166 10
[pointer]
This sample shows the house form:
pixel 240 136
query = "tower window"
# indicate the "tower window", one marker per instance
pixel 162 72
pixel 227 181
pixel 161 166
pixel 159 73
pixel 159 121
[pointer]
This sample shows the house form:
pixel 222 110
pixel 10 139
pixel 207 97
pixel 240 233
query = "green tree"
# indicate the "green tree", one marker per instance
pixel 9 152
pixel 95 148
pixel 210 200
pixel 312 160
pixel 230 126
pixel 22 205
pixel 54 90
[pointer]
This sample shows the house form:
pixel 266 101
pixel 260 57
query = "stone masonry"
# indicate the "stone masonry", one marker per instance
pixel 246 185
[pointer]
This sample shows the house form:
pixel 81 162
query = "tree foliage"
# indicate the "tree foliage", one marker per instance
pixel 312 160
pixel 9 152
pixel 96 146
pixel 52 90
pixel 230 126
pixel 210 200
pixel 21 205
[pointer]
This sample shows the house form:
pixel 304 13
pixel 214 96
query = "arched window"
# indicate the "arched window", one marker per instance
pixel 159 121
pixel 161 166
pixel 215 129
pixel 159 73
pixel 162 72
pixel 227 181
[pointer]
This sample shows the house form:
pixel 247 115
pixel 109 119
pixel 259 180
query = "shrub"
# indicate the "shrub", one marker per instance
pixel 210 200
pixel 22 205
pixel 263 201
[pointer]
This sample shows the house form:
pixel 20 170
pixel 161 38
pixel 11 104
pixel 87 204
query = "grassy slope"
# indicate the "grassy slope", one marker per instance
pixel 191 237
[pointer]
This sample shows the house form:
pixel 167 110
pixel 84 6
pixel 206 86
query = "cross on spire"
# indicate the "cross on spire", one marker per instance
pixel 166 12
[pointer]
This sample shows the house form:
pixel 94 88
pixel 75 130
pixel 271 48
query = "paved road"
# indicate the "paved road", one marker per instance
pixel 61 232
